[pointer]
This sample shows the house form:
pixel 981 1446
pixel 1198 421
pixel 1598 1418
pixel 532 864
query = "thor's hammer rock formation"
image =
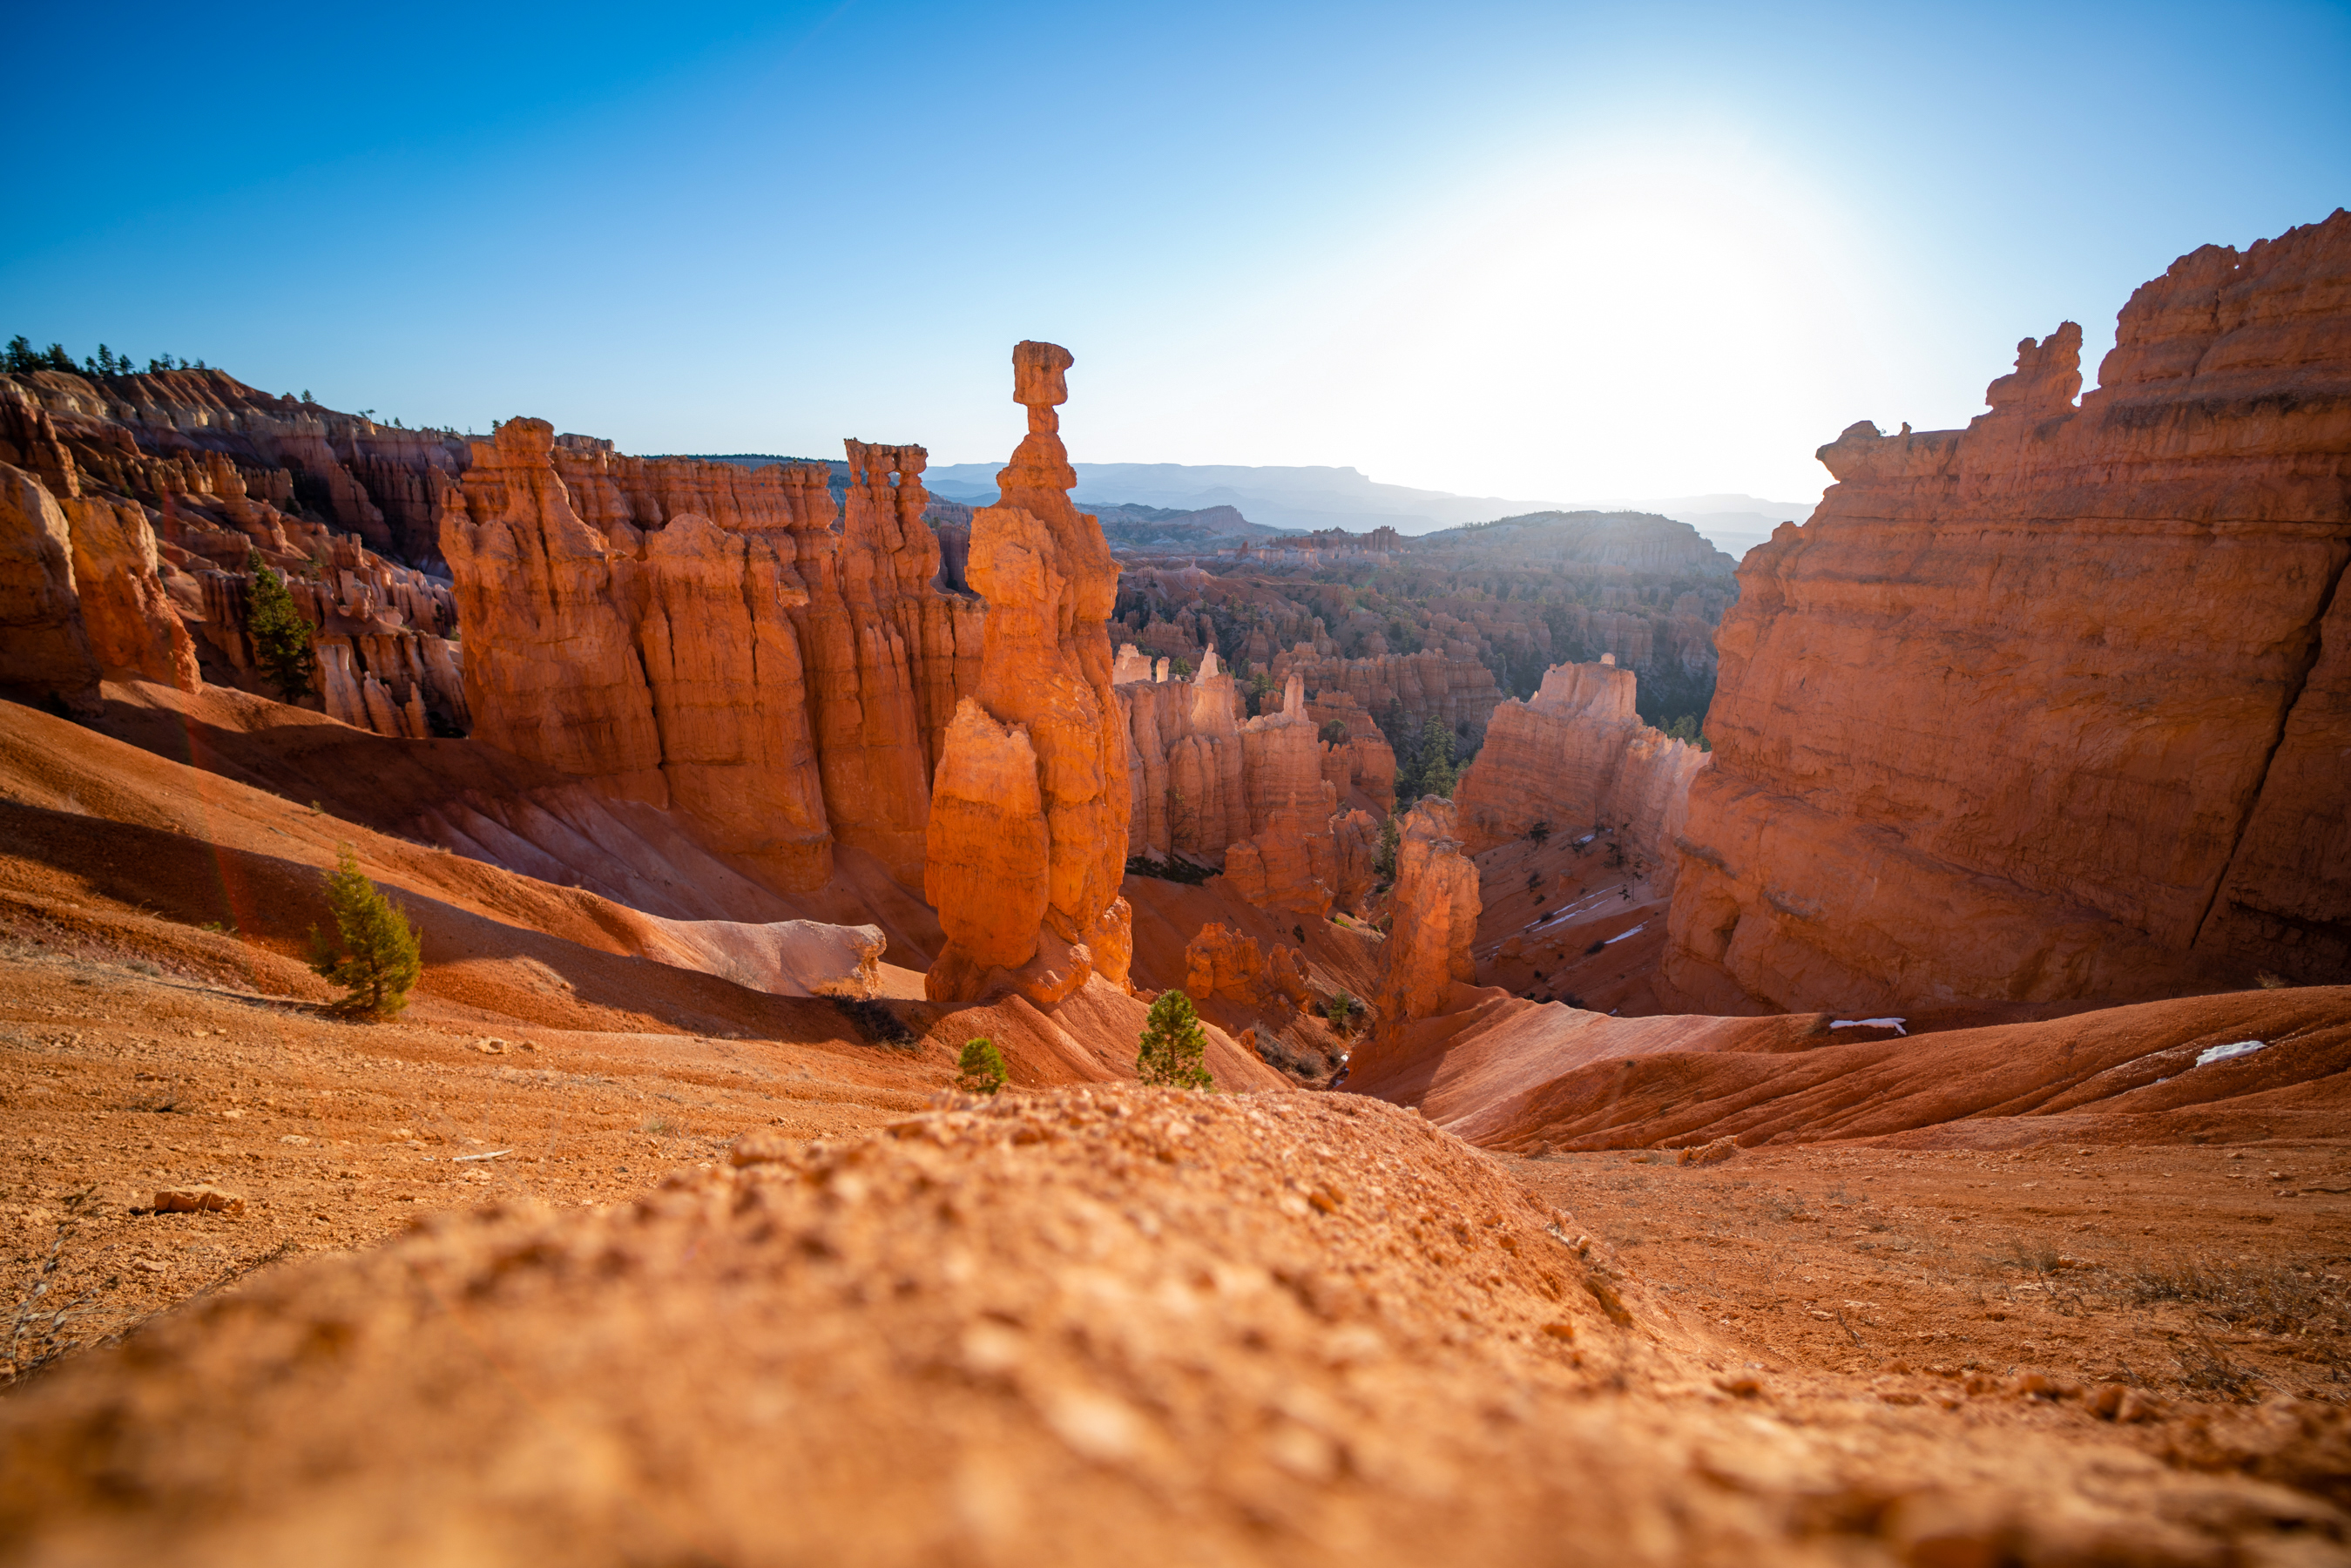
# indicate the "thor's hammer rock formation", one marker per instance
pixel 1029 805
pixel 2057 706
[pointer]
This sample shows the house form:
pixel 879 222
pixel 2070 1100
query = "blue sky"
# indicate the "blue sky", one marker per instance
pixel 1552 251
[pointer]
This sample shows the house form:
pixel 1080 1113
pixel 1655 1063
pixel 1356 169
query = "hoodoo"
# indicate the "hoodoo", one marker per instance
pixel 2057 706
pixel 1027 826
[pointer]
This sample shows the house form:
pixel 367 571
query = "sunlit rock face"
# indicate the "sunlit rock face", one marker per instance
pixel 1576 757
pixel 1036 759
pixel 2058 705
pixel 1436 904
pixel 168 485
pixel 699 635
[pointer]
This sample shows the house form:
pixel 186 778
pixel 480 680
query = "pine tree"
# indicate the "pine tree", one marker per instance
pixel 380 958
pixel 1384 859
pixel 54 358
pixel 281 637
pixel 980 1068
pixel 21 357
pixel 1171 1049
pixel 1437 775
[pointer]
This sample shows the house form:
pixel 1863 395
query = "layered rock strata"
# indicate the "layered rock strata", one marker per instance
pixel 1027 842
pixel 2058 705
pixel 172 433
pixel 1417 686
pixel 1577 756
pixel 699 634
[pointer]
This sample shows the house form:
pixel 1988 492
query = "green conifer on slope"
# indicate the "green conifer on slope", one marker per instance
pixel 378 958
pixel 281 637
pixel 1172 1051
pixel 980 1068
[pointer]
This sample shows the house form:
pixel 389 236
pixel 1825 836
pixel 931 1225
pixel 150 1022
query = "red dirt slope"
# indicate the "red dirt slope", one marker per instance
pixel 2117 1075
pixel 1087 1327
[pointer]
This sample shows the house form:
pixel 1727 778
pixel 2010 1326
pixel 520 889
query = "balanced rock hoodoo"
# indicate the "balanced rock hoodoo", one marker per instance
pixel 1028 839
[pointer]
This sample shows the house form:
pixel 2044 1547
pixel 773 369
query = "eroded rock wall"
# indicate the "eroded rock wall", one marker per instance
pixel 2059 704
pixel 171 482
pixel 700 658
pixel 1259 797
pixel 1428 952
pixel 1577 756
pixel 1421 687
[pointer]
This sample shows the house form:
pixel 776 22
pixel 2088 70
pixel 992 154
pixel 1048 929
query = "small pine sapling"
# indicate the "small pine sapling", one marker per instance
pixel 1172 1051
pixel 281 637
pixel 378 958
pixel 980 1068
pixel 1341 1011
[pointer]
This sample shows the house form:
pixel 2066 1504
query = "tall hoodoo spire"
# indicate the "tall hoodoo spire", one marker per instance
pixel 1027 830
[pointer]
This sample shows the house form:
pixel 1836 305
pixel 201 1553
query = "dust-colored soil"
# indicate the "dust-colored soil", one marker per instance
pixel 116 1083
pixel 1568 922
pixel 1087 1325
pixel 2197 1273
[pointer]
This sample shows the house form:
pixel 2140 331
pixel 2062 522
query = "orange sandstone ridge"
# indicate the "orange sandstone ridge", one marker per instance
pixel 2058 706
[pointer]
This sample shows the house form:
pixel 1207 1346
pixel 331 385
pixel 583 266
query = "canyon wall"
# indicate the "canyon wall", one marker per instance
pixel 698 635
pixel 1027 835
pixel 1575 756
pixel 170 433
pixel 2057 706
pixel 157 589
pixel 1259 797
pixel 1422 686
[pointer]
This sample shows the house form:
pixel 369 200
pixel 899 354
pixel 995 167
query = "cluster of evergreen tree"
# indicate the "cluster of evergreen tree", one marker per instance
pixel 22 358
pixel 1430 760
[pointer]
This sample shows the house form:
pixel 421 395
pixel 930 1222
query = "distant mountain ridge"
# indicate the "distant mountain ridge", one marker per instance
pixel 1304 499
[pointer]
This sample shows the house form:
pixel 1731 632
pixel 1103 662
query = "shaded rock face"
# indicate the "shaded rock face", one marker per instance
pixel 2060 705
pixel 1232 965
pixel 695 634
pixel 1261 797
pixel 1429 684
pixel 1035 759
pixel 49 651
pixel 1436 904
pixel 1577 756
pixel 167 487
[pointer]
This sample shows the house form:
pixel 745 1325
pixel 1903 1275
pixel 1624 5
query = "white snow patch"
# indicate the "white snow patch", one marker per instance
pixel 1894 1024
pixel 1622 935
pixel 2224 1052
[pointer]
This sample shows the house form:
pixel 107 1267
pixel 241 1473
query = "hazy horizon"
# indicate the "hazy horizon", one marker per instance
pixel 1578 252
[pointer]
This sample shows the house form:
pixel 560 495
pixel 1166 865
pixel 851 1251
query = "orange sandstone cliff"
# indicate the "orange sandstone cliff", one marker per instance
pixel 1026 836
pixel 1577 756
pixel 2057 706
pixel 696 635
